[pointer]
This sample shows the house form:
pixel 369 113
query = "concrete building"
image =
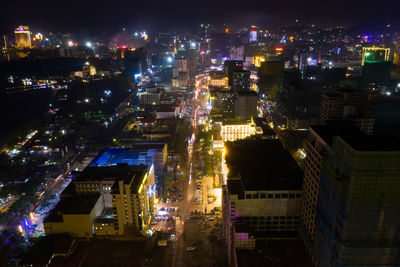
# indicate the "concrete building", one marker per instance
pixel 75 215
pixel 246 105
pixel 357 210
pixel 264 192
pixel 348 104
pixel 234 130
pixel 133 200
pixel 152 96
pixel 112 200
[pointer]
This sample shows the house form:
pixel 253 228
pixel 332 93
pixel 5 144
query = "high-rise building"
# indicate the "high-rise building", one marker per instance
pixel 316 145
pixel 358 207
pixel 241 81
pixel 264 194
pixel 230 66
pixel 246 105
pixel 348 104
pixel 23 36
pixel 237 53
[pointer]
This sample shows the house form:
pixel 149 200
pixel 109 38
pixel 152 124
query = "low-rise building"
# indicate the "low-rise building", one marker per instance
pixel 75 215
pixel 112 200
pixel 235 130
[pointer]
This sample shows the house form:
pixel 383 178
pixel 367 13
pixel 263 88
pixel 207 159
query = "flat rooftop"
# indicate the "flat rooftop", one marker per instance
pixel 119 172
pixel 72 205
pixel 360 142
pixel 262 164
pixel 113 156
pixel 260 122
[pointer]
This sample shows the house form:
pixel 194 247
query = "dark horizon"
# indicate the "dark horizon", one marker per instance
pixel 105 16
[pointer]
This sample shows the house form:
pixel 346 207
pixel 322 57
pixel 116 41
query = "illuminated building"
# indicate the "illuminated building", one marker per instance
pixel 246 105
pixel 357 208
pixel 396 59
pixel 253 36
pixel 88 71
pixel 133 201
pixel 217 79
pixel 112 200
pixel 278 50
pixel 75 215
pixel 375 54
pixel 140 153
pixel 23 37
pixel 258 60
pixel 241 81
pixel 232 131
pixel 152 96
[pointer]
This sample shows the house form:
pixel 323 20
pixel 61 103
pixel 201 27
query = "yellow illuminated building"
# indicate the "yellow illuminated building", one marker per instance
pixel 218 82
pixel 110 201
pixel 373 54
pixel 237 131
pixel 23 37
pixel 258 60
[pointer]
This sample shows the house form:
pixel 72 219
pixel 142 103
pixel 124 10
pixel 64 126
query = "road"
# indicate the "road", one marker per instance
pixel 192 231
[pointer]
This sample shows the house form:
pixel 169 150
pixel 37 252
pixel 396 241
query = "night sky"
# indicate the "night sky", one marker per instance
pixel 111 15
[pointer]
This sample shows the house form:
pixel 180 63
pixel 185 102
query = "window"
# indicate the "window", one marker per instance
pixel 270 195
pixel 284 195
pixel 282 217
pixel 276 218
pixel 248 196
pixel 256 196
pixel 298 195
pixel 263 195
pixel 277 195
pixel 291 195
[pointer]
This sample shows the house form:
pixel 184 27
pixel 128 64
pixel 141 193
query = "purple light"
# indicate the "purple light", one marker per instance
pixel 21 29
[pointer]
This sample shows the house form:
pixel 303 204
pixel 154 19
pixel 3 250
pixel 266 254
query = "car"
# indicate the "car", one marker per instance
pixel 191 248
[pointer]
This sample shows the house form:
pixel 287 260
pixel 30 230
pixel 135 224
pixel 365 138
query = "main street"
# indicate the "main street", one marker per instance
pixel 192 231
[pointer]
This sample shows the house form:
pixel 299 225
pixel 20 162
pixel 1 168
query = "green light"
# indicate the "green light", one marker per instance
pixel 367 54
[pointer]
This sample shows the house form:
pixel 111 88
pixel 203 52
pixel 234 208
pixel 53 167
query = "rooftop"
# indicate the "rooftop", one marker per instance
pixel 247 93
pixel 72 205
pixel 346 130
pixel 113 156
pixel 124 172
pixel 264 126
pixel 262 164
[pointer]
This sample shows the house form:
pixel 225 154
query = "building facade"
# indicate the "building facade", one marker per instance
pixel 358 207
